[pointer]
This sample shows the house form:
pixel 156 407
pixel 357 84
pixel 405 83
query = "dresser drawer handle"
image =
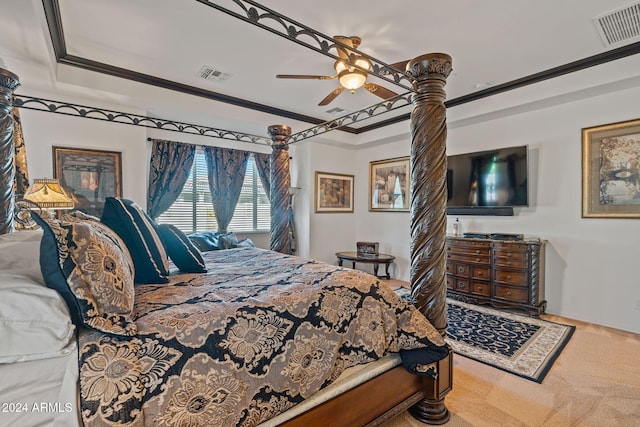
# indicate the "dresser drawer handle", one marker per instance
pixel 479 288
pixel 480 273
pixel 477 259
pixel 460 269
pixel 509 277
pixel 477 251
pixel 461 285
pixel 508 262
pixel 509 293
pixel 509 254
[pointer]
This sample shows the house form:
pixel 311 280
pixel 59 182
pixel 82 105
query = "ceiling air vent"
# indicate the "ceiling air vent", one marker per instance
pixel 619 27
pixel 336 110
pixel 210 73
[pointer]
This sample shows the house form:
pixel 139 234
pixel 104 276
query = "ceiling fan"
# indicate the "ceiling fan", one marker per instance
pixel 350 78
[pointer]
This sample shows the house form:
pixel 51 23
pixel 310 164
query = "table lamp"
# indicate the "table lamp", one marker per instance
pixel 48 194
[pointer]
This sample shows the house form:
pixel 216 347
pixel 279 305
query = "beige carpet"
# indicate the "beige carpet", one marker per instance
pixel 594 382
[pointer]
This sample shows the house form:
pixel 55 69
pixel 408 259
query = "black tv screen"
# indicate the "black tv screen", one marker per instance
pixel 490 178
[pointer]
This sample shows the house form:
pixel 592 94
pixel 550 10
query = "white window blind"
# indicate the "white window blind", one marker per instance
pixel 193 211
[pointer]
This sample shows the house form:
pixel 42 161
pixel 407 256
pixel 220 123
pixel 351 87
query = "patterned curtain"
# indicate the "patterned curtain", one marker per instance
pixel 21 180
pixel 225 169
pixel 263 164
pixel 171 164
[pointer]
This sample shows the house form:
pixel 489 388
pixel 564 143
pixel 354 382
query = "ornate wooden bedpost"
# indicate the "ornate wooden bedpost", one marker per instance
pixel 428 213
pixel 280 183
pixel 8 83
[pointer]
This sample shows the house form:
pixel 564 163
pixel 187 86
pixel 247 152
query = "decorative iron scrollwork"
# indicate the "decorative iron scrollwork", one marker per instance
pixel 354 117
pixel 256 14
pixel 69 109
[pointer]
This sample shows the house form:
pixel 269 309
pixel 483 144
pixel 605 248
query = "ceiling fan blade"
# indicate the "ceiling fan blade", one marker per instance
pixel 305 76
pixel 380 91
pixel 337 91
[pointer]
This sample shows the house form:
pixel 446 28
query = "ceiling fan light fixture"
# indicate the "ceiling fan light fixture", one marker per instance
pixel 341 65
pixel 363 62
pixel 352 80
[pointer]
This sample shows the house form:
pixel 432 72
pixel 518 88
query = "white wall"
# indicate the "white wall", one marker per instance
pixel 591 267
pixel 44 130
pixel 321 235
pixel 591 273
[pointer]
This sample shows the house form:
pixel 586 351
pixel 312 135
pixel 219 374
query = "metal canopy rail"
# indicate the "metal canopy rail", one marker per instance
pixel 354 117
pixel 94 113
pixel 255 14
pixel 293 30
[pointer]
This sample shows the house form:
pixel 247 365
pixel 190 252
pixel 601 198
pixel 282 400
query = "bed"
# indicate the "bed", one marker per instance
pixel 164 388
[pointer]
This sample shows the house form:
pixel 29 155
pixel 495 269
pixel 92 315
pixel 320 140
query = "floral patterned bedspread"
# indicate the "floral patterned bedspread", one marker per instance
pixel 258 333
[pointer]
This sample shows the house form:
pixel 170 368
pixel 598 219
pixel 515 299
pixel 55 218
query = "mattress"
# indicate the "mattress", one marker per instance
pixel 41 392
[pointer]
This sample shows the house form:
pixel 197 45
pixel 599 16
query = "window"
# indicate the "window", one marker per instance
pixel 193 211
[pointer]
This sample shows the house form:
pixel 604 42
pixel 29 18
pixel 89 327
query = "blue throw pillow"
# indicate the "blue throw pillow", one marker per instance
pixel 181 250
pixel 136 229
pixel 90 267
pixel 206 240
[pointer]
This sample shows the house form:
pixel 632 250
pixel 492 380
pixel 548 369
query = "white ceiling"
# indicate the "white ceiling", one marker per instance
pixel 491 42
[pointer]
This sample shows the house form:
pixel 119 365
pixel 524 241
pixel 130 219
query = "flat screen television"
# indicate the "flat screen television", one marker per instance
pixel 488 182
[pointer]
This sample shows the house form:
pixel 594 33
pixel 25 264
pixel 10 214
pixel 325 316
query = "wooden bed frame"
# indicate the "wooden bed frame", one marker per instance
pixel 386 395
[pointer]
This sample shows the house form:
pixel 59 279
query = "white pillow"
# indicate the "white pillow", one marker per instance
pixel 20 254
pixel 34 321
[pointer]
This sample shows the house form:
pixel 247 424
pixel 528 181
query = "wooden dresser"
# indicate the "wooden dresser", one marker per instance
pixel 503 273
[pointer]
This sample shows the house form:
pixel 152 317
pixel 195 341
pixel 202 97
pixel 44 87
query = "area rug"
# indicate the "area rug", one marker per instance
pixel 521 345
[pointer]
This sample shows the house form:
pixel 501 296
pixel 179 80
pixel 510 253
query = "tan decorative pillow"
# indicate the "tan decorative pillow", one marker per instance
pixel 90 266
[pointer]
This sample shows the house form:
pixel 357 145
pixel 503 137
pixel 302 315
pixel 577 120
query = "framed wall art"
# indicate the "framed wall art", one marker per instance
pixel 333 193
pixel 389 182
pixel 611 170
pixel 89 176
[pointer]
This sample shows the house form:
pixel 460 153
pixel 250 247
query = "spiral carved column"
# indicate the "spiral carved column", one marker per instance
pixel 8 83
pixel 280 183
pixel 428 212
pixel 428 187
pixel 21 181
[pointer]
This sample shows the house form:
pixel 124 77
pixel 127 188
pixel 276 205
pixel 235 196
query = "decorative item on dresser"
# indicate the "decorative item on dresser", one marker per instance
pixel 504 273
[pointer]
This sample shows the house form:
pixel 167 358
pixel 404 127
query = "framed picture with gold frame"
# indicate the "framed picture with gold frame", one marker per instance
pixel 89 176
pixel 389 182
pixel 333 193
pixel 611 170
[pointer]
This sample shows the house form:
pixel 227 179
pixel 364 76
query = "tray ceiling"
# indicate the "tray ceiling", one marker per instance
pixel 494 44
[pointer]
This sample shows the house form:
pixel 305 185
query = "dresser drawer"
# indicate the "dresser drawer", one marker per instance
pixel 505 253
pixel 510 246
pixel 470 251
pixel 460 285
pixel 518 278
pixel 480 288
pixel 511 294
pixel 461 269
pixel 513 262
pixel 450 281
pixel 480 273
pixel 474 259
pixel 469 244
pixel 451 267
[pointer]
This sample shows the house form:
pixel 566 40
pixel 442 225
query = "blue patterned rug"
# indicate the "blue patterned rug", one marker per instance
pixel 521 345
